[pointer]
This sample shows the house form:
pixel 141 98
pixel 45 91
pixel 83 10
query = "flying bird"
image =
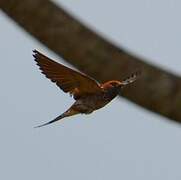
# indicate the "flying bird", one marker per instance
pixel 89 95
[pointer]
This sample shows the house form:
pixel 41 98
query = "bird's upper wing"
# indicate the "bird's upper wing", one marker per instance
pixel 131 78
pixel 68 80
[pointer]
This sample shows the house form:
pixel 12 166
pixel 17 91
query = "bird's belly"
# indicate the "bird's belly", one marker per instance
pixel 90 104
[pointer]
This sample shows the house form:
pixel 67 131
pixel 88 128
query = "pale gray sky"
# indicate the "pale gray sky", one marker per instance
pixel 120 141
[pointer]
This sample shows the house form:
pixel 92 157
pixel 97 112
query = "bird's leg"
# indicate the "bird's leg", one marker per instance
pixel 69 112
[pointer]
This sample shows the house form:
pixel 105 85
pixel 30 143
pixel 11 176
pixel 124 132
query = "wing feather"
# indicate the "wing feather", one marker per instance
pixel 68 80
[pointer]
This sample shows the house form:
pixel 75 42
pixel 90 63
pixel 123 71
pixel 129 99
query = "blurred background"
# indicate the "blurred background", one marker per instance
pixel 120 141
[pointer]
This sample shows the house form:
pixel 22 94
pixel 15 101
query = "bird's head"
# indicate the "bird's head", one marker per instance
pixel 111 84
pixel 114 84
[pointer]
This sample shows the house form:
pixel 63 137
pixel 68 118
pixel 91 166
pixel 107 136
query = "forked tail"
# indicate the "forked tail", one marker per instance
pixel 69 112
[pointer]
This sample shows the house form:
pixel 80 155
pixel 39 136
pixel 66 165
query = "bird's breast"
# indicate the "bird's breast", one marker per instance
pixel 93 102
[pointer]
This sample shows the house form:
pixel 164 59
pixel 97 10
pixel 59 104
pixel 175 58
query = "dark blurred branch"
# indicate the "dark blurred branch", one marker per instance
pixel 157 90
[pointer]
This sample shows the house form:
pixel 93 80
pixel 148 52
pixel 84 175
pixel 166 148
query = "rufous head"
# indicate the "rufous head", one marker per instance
pixel 111 84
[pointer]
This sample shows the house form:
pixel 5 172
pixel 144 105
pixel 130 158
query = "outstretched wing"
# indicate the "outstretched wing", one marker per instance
pixel 131 78
pixel 68 80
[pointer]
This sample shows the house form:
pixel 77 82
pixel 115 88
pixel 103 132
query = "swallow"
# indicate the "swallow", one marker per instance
pixel 88 94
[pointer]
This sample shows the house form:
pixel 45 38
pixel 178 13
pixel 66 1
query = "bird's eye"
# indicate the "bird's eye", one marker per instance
pixel 113 84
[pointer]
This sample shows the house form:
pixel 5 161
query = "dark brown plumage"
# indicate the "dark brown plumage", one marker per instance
pixel 89 94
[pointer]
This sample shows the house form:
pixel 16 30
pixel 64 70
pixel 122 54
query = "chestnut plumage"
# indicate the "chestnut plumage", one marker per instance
pixel 89 95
